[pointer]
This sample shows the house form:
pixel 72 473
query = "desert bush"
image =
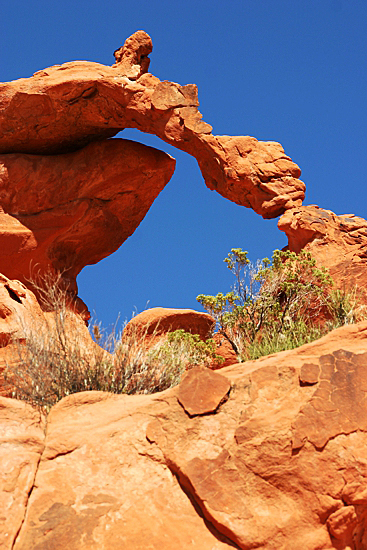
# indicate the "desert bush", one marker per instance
pixel 52 361
pixel 185 350
pixel 151 369
pixel 277 305
pixel 347 306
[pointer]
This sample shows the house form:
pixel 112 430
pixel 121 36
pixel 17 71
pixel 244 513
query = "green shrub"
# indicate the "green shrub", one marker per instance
pixel 347 306
pixel 276 305
pixel 185 350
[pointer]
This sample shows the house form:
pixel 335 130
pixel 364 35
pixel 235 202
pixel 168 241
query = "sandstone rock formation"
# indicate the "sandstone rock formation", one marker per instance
pixel 155 322
pixel 65 107
pixel 152 326
pixel 22 317
pixel 59 213
pixel 336 242
pixel 18 306
pixel 270 455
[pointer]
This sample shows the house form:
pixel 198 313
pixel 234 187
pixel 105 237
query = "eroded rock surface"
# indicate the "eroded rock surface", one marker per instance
pixel 153 324
pixel 139 471
pixel 202 391
pixel 21 446
pixel 18 309
pixel 59 213
pixel 67 106
pixel 270 454
pixel 23 319
pixel 336 242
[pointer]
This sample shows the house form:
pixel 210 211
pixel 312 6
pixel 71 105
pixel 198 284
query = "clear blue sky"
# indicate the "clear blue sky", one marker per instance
pixel 279 70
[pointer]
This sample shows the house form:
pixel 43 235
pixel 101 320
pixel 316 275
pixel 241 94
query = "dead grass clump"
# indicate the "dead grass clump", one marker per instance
pixel 54 359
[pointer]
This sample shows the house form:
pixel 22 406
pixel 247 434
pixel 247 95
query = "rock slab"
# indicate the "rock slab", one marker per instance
pixel 140 472
pixel 59 213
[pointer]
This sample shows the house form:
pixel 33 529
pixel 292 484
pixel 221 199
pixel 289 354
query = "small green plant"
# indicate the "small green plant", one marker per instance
pixel 274 305
pixel 184 350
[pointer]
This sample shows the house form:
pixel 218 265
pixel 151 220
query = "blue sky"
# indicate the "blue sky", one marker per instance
pixel 278 70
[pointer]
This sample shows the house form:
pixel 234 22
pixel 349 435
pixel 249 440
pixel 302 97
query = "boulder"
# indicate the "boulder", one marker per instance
pixel 269 456
pixel 65 107
pixel 338 243
pixel 152 325
pixel 59 213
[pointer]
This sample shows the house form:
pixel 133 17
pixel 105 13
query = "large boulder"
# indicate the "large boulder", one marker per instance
pixel 65 107
pixel 59 213
pixel 152 325
pixel 269 454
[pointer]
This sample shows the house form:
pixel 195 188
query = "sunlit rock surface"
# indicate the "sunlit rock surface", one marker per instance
pixel 273 456
pixel 65 107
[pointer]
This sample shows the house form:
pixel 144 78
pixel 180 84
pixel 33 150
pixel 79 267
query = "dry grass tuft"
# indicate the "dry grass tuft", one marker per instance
pixel 54 360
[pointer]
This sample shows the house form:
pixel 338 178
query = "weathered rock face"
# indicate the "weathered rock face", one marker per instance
pixel 62 212
pixel 21 317
pixel 132 58
pixel 18 308
pixel 336 242
pixel 156 322
pixel 65 107
pixel 22 444
pixel 269 454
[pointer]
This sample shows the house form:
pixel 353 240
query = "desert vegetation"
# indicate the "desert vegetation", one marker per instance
pixel 273 306
pixel 279 304
pixel 52 361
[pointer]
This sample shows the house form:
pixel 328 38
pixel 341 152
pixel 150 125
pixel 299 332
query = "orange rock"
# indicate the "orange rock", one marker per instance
pixel 202 391
pixel 22 317
pixel 22 434
pixel 342 524
pixel 258 175
pixel 132 58
pixel 153 324
pixel 336 242
pixel 38 114
pixel 62 212
pixel 18 309
pixel 113 465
